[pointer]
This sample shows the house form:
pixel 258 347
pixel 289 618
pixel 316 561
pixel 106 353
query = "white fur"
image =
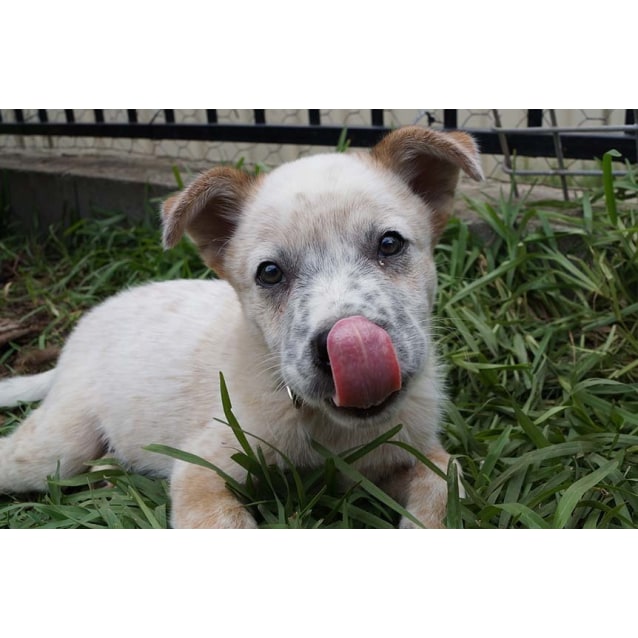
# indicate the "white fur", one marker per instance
pixel 25 389
pixel 144 366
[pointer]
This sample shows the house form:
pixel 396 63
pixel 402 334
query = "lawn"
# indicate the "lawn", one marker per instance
pixel 538 332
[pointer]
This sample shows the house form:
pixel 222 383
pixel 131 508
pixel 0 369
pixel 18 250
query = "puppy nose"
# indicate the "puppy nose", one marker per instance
pixel 320 350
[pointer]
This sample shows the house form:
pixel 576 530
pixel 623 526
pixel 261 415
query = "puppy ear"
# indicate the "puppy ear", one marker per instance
pixel 207 211
pixel 430 162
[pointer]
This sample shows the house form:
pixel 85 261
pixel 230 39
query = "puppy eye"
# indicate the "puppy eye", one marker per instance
pixel 269 274
pixel 391 243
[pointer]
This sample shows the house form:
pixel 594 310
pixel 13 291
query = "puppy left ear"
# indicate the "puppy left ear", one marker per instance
pixel 430 163
pixel 208 211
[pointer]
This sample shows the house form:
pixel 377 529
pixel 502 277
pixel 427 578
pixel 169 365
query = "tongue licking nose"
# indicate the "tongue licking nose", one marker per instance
pixel 364 364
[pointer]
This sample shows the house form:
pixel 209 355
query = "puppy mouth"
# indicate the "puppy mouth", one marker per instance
pixel 364 414
pixel 365 374
pixel 360 414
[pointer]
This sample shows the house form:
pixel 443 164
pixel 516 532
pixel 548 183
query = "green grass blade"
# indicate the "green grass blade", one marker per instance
pixel 527 460
pixel 232 421
pixel 187 457
pixel 530 428
pixel 363 450
pixel 366 484
pixel 178 177
pixel 483 281
pixel 524 514
pixel 343 142
pixel 146 510
pixel 608 185
pixel 574 493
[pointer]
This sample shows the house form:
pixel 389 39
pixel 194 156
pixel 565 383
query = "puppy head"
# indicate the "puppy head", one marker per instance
pixel 331 257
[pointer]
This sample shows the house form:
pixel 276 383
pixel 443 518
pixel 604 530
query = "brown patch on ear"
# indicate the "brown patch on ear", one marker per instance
pixel 207 211
pixel 430 162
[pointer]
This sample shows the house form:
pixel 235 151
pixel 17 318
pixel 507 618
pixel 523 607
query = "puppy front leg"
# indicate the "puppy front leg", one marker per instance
pixel 422 492
pixel 200 499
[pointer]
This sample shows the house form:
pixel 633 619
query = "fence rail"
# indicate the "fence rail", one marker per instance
pixel 534 140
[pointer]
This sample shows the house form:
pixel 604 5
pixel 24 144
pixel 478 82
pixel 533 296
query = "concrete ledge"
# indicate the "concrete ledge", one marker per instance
pixel 58 189
pixel 41 189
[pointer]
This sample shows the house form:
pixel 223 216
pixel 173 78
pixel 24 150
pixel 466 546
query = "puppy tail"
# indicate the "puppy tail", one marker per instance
pixel 25 389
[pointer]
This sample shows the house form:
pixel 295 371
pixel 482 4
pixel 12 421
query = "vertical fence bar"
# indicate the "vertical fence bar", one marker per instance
pixel 19 115
pixel 631 117
pixel 534 117
pixel 558 151
pixel 450 118
pixel 132 115
pixel 314 117
pixel 69 115
pixel 99 116
pixel 169 116
pixel 211 116
pixel 507 158
pixel 376 117
pixel 260 116
pixel 43 118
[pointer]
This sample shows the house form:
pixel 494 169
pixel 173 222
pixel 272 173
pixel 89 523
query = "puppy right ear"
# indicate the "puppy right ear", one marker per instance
pixel 207 211
pixel 429 162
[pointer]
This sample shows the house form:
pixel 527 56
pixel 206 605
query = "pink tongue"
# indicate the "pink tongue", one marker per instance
pixel 364 363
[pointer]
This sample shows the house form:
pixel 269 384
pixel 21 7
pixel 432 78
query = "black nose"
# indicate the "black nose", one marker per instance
pixel 320 346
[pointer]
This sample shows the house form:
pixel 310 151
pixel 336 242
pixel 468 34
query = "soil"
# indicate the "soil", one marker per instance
pixel 19 330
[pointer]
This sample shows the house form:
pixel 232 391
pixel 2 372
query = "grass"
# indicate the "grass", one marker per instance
pixel 538 331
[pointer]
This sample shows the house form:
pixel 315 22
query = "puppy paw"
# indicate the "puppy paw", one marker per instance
pixel 429 520
pixel 236 517
pixel 200 499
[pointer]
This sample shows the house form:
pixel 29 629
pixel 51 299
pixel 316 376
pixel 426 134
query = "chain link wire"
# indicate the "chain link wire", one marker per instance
pixel 198 153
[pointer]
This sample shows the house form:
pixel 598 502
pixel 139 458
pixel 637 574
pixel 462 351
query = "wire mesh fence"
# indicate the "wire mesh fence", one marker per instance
pixel 551 145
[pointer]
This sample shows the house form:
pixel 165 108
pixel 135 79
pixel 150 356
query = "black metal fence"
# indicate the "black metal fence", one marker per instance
pixel 534 140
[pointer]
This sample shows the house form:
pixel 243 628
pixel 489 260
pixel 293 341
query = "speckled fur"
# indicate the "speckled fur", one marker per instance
pixel 144 366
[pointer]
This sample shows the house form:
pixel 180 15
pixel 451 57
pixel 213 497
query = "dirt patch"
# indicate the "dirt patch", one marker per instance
pixel 30 361
pixel 21 323
pixel 11 330
pixel 18 347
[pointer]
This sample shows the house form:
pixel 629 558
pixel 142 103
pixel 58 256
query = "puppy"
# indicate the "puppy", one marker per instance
pixel 320 324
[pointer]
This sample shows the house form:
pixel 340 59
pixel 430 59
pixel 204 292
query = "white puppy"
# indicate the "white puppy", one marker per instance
pixel 321 329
